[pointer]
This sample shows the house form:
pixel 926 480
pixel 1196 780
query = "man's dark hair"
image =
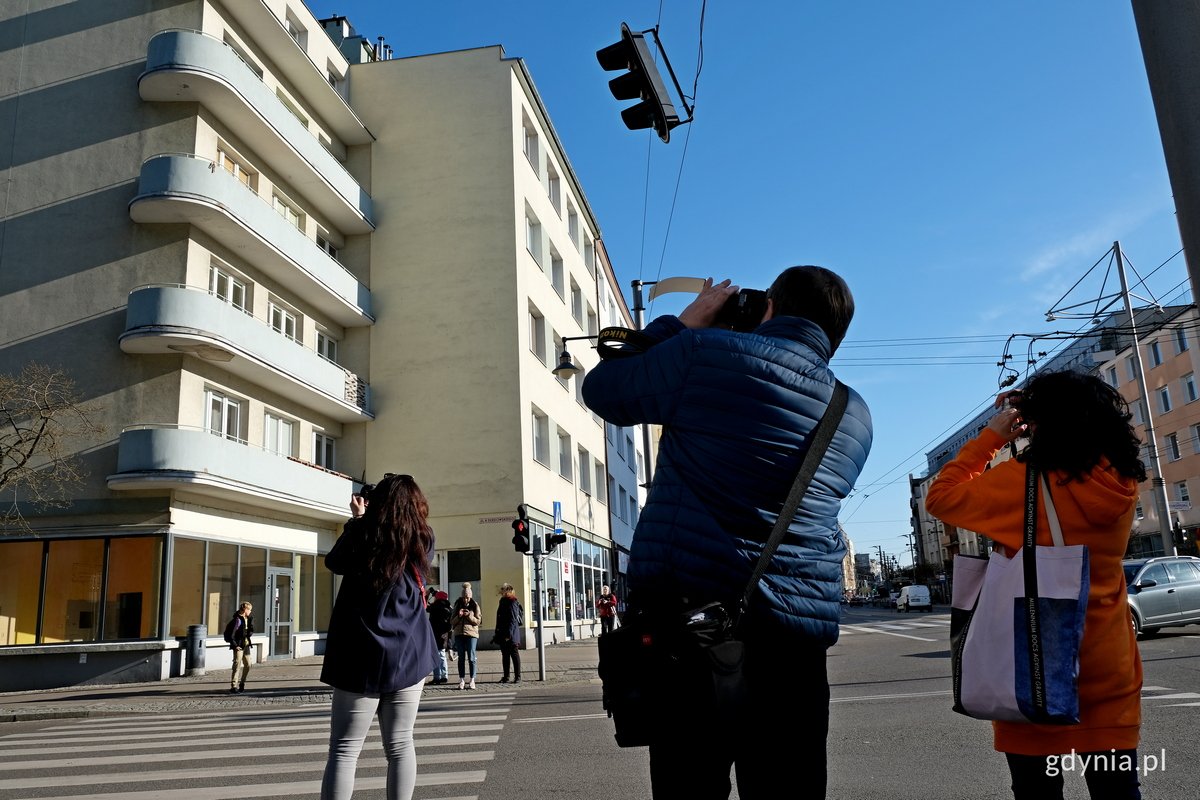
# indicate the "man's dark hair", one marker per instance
pixel 817 294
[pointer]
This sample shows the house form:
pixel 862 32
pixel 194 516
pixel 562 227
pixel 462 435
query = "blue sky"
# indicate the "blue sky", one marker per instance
pixel 960 164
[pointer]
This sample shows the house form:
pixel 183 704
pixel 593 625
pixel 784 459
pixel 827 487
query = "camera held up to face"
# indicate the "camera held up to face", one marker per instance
pixel 743 311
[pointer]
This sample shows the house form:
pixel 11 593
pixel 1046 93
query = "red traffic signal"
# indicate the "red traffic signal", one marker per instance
pixel 520 528
pixel 642 81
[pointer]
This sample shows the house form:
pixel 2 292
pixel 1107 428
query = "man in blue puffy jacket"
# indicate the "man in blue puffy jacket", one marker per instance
pixel 737 410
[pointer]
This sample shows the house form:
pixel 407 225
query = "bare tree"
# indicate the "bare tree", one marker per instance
pixel 40 415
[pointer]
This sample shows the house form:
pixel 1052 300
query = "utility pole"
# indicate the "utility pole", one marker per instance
pixel 1158 487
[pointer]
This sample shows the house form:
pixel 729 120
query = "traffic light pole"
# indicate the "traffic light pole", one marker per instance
pixel 538 560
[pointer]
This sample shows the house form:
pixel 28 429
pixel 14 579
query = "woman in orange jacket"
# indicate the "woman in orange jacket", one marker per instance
pixel 1080 438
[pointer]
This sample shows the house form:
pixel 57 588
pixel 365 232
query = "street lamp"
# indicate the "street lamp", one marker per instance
pixel 566 365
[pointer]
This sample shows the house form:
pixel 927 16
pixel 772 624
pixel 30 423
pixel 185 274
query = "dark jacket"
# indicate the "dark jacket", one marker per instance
pixel 736 411
pixel 378 641
pixel 509 619
pixel 242 631
pixel 439 621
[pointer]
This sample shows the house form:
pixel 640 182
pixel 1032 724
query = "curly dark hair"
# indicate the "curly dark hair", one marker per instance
pixel 398 535
pixel 1075 420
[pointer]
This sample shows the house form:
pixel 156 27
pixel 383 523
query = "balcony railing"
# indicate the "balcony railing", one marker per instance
pixel 183 187
pixel 181 457
pixel 185 65
pixel 183 319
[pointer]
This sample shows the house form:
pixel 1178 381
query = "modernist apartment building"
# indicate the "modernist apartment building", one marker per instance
pixel 278 264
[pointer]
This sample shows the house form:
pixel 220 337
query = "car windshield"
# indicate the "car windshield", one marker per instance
pixel 1131 570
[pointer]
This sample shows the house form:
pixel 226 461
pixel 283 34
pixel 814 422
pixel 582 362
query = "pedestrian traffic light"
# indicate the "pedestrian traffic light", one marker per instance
pixel 554 540
pixel 642 81
pixel 520 527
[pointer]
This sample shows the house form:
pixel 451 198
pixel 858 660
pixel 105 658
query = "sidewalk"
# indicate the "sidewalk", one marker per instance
pixel 273 683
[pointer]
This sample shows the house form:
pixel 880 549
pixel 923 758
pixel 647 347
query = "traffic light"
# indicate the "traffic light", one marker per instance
pixel 642 81
pixel 554 540
pixel 520 527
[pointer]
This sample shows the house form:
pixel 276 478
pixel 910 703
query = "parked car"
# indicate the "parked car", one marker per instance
pixel 1163 591
pixel 914 597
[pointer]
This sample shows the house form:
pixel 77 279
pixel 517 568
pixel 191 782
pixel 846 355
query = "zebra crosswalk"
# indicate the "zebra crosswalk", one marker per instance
pixel 927 628
pixel 245 753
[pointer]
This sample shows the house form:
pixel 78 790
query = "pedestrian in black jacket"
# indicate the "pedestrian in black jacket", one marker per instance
pixel 509 620
pixel 238 633
pixel 439 620
pixel 380 646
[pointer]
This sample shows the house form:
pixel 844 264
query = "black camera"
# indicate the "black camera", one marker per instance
pixel 366 491
pixel 743 311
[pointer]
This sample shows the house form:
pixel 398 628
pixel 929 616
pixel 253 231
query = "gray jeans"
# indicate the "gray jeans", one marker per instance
pixel 352 715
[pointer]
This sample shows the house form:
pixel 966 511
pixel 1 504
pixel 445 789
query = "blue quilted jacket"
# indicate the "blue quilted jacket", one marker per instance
pixel 736 411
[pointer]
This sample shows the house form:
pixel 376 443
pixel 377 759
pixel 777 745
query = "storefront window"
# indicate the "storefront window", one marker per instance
pixel 462 566
pixel 252 587
pixel 20 581
pixel 579 585
pixel 552 602
pixel 131 600
pixel 187 586
pixel 324 595
pixel 221 600
pixel 306 593
pixel 72 611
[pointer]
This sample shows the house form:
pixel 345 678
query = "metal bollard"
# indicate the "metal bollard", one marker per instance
pixel 195 649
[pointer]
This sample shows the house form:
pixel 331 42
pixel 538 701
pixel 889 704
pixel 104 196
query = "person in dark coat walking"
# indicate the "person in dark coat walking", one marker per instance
pixel 439 620
pixel 238 633
pixel 509 620
pixel 380 645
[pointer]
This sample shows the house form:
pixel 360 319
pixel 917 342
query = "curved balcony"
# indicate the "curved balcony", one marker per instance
pixel 190 66
pixel 158 457
pixel 182 188
pixel 180 319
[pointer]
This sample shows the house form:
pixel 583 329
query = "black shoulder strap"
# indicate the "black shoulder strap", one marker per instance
pixel 818 443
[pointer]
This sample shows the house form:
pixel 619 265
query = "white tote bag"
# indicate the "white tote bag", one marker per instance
pixel 1016 625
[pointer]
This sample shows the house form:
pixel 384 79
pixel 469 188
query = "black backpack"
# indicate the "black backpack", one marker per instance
pixel 232 629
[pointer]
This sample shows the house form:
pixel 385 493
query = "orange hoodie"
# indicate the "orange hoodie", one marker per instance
pixel 1097 512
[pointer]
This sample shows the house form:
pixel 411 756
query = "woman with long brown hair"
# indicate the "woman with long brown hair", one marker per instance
pixel 380 646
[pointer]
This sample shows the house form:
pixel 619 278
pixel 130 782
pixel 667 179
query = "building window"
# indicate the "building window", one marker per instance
pixel 633 510
pixel 225 287
pixel 1189 387
pixel 282 320
pixel 1111 375
pixel 1181 492
pixel 234 166
pixel 592 327
pixel 529 144
pixel 556 274
pixel 1195 431
pixel 1164 399
pixel 573 225
pixel 223 415
pixel 629 451
pixel 565 454
pixel 576 302
pixel 324 451
pixel 278 435
pixel 1181 342
pixel 641 469
pixel 295 29
pixel 623 504
pixel 579 376
pixel 292 108
pixel 1130 370
pixel 541 437
pixel 1172 444
pixel 288 211
pixel 601 481
pixel 589 260
pixel 537 334
pixel 554 188
pixel 533 238
pixel 1155 354
pixel 324 243
pixel 585 471
pixel 1139 512
pixel 327 346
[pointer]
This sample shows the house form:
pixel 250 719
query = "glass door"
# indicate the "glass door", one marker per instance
pixel 279 612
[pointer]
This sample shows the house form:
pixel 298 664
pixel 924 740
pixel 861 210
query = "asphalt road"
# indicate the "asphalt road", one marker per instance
pixel 893 735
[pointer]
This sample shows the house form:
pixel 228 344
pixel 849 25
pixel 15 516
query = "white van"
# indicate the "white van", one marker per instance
pixel 914 597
